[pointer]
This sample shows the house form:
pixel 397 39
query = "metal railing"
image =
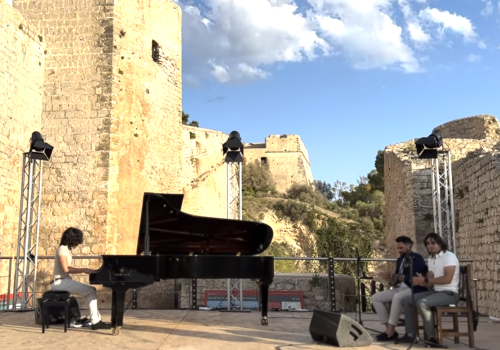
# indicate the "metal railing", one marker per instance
pixel 365 285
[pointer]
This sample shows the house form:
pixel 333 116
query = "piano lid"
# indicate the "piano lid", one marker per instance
pixel 172 231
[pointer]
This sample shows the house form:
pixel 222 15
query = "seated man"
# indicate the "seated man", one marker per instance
pixel 443 277
pixel 394 296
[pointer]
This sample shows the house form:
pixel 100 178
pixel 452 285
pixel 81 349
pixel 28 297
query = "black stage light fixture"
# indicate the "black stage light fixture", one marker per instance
pixel 38 148
pixel 427 146
pixel 233 148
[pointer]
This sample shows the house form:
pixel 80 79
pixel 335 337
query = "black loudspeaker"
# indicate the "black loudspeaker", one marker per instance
pixel 338 330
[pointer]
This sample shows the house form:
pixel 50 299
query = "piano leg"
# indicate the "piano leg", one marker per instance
pixel 264 302
pixel 117 308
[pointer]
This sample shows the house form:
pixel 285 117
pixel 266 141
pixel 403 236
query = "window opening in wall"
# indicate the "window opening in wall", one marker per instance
pixel 263 160
pixel 156 54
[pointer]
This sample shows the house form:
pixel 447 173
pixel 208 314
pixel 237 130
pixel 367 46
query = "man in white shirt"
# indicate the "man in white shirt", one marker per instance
pixel 403 278
pixel 443 277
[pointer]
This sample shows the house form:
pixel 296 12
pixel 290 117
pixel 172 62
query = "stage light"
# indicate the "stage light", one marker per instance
pixel 38 148
pixel 233 148
pixel 427 146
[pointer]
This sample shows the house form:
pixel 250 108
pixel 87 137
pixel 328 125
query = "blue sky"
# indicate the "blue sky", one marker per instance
pixel 381 81
pixel 349 76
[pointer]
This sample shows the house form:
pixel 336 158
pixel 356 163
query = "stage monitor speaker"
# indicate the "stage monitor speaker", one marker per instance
pixel 338 330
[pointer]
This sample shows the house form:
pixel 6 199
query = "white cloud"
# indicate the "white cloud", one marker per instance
pixel 413 26
pixel 473 58
pixel 364 32
pixel 236 38
pixel 451 22
pixel 241 40
pixel 417 34
pixel 488 7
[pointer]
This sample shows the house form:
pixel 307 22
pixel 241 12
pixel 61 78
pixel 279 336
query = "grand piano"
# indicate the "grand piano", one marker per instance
pixel 173 244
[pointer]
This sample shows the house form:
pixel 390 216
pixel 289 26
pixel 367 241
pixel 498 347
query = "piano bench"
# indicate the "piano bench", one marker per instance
pixel 54 299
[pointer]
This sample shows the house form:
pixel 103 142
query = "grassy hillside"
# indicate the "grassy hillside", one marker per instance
pixel 343 223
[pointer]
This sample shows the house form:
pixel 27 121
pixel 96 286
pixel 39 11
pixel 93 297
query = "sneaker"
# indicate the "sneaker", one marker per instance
pixel 74 323
pixel 101 325
pixel 381 336
pixel 85 321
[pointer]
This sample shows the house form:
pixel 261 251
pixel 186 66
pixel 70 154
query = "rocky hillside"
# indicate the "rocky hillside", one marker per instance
pixel 312 221
pixel 291 239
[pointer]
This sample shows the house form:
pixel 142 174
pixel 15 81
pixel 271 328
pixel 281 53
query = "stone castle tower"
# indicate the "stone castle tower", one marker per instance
pixel 101 80
pixel 112 79
pixel 287 158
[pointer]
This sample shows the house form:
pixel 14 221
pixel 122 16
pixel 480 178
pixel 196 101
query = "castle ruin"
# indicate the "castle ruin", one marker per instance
pixel 474 145
pixel 101 80
pixel 287 158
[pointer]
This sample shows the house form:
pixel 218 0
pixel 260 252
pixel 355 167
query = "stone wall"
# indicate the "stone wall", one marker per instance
pixel 399 209
pixel 203 177
pixel 476 179
pixel 112 112
pixel 478 128
pixel 145 147
pixel 287 157
pixel 160 295
pixel 21 80
pixel 474 147
pixel 315 293
pixel 76 117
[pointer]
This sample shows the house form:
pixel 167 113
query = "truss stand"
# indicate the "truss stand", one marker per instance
pixel 24 296
pixel 442 199
pixel 233 151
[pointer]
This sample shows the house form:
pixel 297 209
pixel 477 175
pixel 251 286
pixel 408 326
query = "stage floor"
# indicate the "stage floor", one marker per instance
pixel 193 330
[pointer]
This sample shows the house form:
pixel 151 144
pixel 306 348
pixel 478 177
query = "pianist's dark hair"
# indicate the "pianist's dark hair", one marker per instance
pixel 72 237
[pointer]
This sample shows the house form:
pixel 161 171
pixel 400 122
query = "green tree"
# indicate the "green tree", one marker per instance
pixel 306 194
pixel 376 176
pixel 340 239
pixel 257 179
pixel 185 120
pixel 325 188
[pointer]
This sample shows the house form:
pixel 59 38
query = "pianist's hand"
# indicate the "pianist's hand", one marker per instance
pixel 89 271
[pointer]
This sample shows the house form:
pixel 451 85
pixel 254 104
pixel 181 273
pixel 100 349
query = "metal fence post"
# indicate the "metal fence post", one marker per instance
pixel 194 294
pixel 331 284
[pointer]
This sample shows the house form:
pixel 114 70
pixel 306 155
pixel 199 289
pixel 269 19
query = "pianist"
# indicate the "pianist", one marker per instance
pixel 72 238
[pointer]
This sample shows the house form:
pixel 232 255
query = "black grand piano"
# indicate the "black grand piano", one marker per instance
pixel 173 244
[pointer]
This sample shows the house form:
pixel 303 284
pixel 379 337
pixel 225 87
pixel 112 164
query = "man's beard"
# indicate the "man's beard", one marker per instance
pixel 401 254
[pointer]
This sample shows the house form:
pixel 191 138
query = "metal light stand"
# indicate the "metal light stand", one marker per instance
pixel 442 199
pixel 234 212
pixel 29 222
pixel 233 152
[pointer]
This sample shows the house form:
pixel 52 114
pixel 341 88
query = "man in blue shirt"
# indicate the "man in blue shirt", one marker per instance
pixel 402 280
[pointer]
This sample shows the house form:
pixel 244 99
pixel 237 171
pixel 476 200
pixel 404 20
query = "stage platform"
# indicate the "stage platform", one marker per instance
pixel 193 330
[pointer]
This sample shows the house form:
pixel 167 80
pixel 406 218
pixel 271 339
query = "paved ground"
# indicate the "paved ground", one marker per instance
pixel 193 330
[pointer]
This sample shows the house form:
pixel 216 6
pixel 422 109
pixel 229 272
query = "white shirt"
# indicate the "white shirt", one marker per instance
pixel 438 263
pixel 58 270
pixel 401 268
